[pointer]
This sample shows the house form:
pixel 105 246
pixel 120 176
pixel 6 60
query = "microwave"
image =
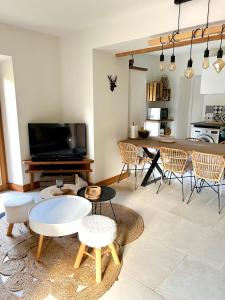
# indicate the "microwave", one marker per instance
pixel 157 113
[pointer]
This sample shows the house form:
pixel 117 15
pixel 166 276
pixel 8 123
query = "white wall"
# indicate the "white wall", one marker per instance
pixel 110 113
pixel 77 60
pixel 10 122
pixel 35 59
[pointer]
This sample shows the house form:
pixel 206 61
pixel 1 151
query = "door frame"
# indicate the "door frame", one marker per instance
pixel 3 166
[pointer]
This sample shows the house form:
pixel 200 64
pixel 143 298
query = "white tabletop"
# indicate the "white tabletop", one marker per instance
pixel 58 216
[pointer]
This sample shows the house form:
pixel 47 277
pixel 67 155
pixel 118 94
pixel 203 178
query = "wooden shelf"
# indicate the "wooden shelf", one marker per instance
pixel 160 121
pixel 57 171
pixel 58 162
pixel 138 68
pixel 58 167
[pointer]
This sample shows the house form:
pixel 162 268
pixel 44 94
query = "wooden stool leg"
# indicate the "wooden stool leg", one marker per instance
pixel 79 255
pixel 41 238
pixel 28 226
pixel 114 254
pixel 98 256
pixel 10 228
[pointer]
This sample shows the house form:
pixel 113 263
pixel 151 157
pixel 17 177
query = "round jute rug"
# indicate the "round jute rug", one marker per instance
pixel 54 277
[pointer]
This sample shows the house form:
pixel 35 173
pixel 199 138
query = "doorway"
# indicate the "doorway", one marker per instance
pixel 3 170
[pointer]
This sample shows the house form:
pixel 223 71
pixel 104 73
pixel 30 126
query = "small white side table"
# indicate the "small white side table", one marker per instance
pixel 58 216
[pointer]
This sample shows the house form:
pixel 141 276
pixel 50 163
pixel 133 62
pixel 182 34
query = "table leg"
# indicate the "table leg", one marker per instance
pixel 153 165
pixel 40 243
pixel 31 181
pixel 113 211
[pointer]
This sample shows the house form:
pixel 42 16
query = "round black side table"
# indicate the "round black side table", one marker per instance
pixel 107 193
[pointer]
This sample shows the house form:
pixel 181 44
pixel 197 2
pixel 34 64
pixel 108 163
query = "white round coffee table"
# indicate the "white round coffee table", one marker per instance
pixel 58 216
pixel 49 191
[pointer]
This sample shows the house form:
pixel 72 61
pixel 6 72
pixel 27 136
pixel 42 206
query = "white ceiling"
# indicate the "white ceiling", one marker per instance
pixel 62 16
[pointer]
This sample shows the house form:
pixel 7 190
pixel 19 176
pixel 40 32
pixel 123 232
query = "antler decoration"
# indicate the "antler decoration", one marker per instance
pixel 112 82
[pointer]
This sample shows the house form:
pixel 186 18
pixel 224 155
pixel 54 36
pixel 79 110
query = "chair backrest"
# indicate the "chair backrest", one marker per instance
pixel 173 160
pixel 128 153
pixel 208 166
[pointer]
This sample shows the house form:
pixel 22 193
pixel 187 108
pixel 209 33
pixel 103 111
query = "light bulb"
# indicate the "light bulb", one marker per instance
pixel 219 63
pixel 162 66
pixel 205 63
pixel 172 65
pixel 189 72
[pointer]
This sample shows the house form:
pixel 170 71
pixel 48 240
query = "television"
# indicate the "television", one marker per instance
pixel 57 141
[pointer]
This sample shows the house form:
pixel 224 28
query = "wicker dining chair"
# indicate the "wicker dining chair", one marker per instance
pixel 129 156
pixel 208 168
pixel 174 162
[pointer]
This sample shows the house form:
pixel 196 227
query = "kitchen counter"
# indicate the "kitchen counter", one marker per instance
pixel 207 124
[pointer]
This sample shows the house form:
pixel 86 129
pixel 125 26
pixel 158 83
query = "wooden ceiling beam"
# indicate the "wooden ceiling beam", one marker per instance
pixel 169 46
pixel 185 36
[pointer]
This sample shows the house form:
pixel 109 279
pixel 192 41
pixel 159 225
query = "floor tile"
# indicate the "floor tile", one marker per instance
pixel 193 280
pixel 149 262
pixel 205 244
pixel 126 288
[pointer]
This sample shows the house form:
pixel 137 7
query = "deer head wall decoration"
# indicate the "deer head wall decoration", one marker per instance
pixel 112 82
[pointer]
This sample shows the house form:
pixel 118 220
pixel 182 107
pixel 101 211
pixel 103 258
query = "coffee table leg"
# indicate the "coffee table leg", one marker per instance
pixel 40 243
pixel 113 211
pixel 100 210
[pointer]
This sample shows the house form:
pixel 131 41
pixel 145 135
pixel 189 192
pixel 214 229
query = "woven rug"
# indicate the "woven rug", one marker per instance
pixel 54 277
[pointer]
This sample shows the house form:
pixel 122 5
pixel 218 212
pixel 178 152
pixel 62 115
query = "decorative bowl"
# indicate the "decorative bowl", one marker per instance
pixel 92 192
pixel 143 133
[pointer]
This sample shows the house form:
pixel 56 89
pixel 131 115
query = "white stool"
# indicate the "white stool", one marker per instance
pixel 96 232
pixel 16 210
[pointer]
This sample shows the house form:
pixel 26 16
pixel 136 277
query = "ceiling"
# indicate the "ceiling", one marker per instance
pixel 62 16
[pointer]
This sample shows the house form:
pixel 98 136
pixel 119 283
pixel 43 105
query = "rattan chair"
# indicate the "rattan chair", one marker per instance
pixel 208 168
pixel 129 156
pixel 174 162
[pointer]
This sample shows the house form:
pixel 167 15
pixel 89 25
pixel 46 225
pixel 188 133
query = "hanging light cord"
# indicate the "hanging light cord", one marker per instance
pixel 178 20
pixel 221 40
pixel 192 37
pixel 207 22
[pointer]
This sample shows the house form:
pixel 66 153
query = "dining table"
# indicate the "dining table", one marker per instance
pixel 157 143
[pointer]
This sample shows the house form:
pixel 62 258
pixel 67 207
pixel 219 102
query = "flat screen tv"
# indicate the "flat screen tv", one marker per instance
pixel 56 141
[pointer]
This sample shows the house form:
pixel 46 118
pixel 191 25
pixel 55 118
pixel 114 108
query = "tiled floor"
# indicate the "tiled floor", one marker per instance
pixel 181 253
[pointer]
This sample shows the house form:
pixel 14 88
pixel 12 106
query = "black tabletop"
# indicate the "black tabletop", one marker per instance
pixel 107 193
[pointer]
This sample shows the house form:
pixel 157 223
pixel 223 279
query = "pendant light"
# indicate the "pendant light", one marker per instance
pixel 162 61
pixel 172 65
pixel 205 63
pixel 189 72
pixel 219 63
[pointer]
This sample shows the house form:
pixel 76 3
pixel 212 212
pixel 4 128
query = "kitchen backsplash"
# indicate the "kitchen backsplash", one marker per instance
pixel 215 113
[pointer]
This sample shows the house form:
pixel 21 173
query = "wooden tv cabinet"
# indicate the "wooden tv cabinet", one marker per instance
pixel 59 167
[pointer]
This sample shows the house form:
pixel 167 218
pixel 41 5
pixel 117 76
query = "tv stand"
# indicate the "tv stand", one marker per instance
pixel 60 167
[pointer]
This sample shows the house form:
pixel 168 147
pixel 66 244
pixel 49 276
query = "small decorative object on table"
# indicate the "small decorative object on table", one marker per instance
pixel 143 133
pixel 166 139
pixel 63 191
pixel 93 192
pixel 59 183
